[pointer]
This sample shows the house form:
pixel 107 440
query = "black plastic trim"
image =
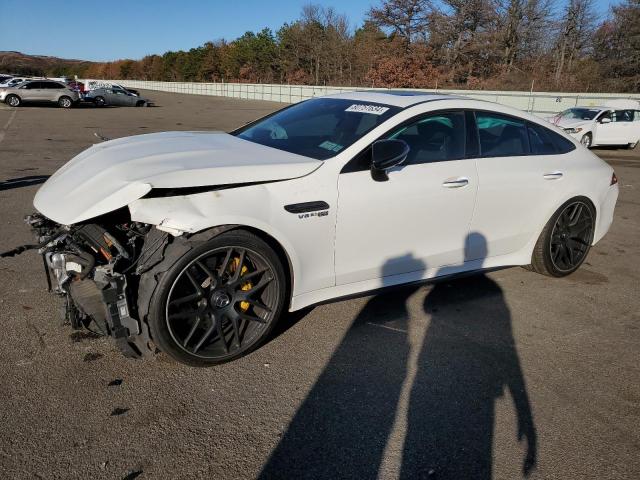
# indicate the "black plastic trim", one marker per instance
pixel 307 207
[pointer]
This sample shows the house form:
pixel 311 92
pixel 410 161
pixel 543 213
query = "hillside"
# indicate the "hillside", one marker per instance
pixel 23 64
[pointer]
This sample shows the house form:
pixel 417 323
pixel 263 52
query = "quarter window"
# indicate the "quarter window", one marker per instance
pixel 501 135
pixel 540 140
pixel 435 138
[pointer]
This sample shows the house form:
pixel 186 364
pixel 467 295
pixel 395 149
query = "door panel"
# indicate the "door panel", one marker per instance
pixel 515 188
pixel 419 218
pixel 413 218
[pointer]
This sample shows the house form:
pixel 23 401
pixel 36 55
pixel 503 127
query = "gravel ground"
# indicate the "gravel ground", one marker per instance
pixel 487 377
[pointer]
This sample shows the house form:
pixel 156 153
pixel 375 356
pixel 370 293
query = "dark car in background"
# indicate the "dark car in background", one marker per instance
pixel 115 96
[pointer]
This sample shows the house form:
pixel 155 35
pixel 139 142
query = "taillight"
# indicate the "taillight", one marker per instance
pixel 614 179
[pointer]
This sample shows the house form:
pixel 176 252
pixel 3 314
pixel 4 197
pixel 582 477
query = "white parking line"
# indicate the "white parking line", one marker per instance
pixel 6 125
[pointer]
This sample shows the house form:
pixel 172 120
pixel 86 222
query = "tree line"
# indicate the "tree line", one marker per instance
pixel 546 45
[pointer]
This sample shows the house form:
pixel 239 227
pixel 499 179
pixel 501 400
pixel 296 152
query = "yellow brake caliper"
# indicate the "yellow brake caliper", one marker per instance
pixel 244 306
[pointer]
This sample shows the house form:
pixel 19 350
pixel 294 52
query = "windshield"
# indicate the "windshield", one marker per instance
pixel 580 113
pixel 319 128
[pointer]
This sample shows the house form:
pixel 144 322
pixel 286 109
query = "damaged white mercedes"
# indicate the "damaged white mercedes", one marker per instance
pixel 195 243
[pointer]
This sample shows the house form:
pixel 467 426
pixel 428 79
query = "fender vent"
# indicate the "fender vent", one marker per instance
pixel 307 207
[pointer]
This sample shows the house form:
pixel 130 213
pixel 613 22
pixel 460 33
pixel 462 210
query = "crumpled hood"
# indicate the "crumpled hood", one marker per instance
pixel 113 174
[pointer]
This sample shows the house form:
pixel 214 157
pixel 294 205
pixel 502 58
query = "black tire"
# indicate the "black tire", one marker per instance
pixel 99 101
pixel 140 103
pixel 210 303
pixel 565 241
pixel 13 100
pixel 586 140
pixel 65 102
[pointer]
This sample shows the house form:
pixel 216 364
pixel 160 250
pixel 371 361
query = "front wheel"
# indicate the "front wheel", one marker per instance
pixel 65 102
pixel 218 301
pixel 586 140
pixel 12 100
pixel 566 239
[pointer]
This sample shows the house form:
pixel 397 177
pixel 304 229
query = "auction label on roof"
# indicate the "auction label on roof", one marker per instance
pixel 373 109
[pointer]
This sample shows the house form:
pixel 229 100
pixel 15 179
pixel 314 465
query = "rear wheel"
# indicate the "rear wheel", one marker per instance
pixel 566 239
pixel 586 140
pixel 218 301
pixel 99 101
pixel 65 102
pixel 12 100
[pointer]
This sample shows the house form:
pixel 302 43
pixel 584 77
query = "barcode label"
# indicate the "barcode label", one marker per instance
pixel 372 109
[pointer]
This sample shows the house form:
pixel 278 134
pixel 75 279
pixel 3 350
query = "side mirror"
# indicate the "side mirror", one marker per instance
pixel 386 154
pixel 605 120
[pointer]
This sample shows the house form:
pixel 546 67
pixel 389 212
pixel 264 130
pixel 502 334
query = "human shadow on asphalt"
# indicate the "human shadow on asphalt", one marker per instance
pixel 23 182
pixel 466 359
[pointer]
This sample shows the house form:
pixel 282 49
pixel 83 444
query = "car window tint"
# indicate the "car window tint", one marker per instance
pixel 501 135
pixel 318 128
pixel 435 138
pixel 34 85
pixel 540 140
pixel 623 116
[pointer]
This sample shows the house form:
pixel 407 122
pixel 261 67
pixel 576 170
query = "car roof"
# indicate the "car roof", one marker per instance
pixel 397 98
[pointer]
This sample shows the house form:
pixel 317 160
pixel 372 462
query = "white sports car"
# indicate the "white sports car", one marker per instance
pixel 196 242
pixel 598 126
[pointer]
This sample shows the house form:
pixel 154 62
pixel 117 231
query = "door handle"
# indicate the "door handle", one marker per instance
pixel 553 175
pixel 455 182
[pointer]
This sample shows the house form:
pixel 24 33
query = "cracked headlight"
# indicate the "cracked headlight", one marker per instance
pixel 573 130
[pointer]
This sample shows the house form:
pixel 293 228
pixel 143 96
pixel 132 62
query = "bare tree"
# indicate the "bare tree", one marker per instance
pixel 406 18
pixel 576 29
pixel 523 27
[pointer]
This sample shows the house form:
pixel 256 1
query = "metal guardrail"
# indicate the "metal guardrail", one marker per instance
pixel 543 103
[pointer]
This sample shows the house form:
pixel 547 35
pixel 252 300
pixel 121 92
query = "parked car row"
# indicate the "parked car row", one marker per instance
pixel 14 91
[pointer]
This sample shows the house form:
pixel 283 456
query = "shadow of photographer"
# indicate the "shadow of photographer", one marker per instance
pixel 402 397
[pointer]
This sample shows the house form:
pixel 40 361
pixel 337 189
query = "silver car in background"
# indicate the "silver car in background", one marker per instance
pixel 39 91
pixel 115 96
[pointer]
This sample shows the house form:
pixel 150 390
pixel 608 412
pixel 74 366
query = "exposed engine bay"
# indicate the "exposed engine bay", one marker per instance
pixel 95 268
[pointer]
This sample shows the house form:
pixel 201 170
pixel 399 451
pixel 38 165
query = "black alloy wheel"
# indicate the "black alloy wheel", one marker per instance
pixel 218 298
pixel 571 237
pixel 566 239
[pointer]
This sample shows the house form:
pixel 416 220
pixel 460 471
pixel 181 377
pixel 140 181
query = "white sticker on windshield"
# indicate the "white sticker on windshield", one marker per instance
pixel 372 109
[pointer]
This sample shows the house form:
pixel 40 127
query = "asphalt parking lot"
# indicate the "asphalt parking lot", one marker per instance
pixel 487 377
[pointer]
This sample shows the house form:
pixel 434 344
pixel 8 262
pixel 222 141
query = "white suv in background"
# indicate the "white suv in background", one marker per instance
pixel 614 124
pixel 39 91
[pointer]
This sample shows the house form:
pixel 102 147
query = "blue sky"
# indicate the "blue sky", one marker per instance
pixel 134 28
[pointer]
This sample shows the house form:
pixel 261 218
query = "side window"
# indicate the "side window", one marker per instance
pixel 540 140
pixel 34 85
pixel 623 116
pixel 435 138
pixel 501 135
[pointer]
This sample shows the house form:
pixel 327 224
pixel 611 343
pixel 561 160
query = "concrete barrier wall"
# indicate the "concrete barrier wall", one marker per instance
pixel 543 103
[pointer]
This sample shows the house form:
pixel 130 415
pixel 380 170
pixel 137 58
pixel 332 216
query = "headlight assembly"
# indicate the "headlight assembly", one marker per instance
pixel 573 130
